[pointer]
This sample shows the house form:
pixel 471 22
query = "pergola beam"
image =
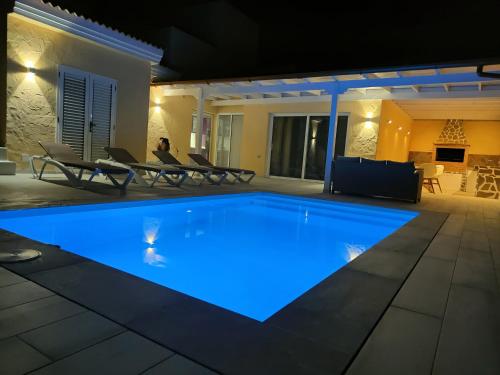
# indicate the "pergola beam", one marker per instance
pixel 372 94
pixel 354 84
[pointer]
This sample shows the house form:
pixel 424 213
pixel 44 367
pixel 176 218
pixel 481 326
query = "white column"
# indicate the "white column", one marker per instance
pixel 200 110
pixel 332 130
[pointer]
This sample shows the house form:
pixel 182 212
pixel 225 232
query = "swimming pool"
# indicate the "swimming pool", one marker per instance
pixel 250 253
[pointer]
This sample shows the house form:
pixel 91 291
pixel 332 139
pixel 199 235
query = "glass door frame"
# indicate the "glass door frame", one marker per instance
pixel 216 133
pixel 308 116
pixel 210 116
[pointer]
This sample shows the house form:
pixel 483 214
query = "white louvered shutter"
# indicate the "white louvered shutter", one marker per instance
pixel 73 115
pixel 102 115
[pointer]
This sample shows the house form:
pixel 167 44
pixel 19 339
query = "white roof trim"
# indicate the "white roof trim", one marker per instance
pixel 62 19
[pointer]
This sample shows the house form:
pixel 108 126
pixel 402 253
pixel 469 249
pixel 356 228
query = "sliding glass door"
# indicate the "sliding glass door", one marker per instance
pixel 206 129
pixel 299 143
pixel 229 133
pixel 287 147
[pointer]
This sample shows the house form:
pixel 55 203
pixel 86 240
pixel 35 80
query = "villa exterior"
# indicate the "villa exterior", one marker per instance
pixel 55 56
pixel 74 81
pixel 277 275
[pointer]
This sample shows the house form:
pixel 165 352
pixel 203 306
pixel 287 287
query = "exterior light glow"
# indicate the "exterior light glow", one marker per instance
pixel 157 109
pixel 368 125
pixel 369 114
pixel 400 128
pixel 389 122
pixel 30 72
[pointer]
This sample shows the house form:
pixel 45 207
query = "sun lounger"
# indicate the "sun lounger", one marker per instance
pixel 237 173
pixel 214 176
pixel 173 176
pixel 64 158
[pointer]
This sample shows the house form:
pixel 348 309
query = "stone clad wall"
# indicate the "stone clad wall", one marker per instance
pixel 453 132
pixel 488 182
pixel 31 101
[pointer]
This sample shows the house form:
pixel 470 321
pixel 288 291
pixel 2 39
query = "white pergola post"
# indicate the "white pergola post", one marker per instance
pixel 200 110
pixel 332 130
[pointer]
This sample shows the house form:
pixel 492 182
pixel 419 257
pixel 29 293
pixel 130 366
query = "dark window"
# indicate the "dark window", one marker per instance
pixel 450 154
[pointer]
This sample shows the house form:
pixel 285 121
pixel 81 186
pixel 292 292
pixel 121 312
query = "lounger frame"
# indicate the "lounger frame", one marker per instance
pixel 155 176
pixel 235 172
pixel 75 179
pixel 205 173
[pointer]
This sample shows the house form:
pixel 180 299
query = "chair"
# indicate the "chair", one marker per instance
pixel 154 171
pixel 431 176
pixel 237 173
pixel 212 175
pixel 63 157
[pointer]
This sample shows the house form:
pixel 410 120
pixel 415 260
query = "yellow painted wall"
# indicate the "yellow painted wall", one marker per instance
pixel 483 136
pixel 394 133
pixel 171 117
pixel 256 119
pixel 174 121
pixel 31 105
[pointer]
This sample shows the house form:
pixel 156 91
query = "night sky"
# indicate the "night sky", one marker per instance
pixel 317 36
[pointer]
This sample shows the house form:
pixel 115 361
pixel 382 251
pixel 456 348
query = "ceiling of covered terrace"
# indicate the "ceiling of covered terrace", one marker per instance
pixel 438 83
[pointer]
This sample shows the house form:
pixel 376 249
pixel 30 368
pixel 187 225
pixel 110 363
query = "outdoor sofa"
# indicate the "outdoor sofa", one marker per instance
pixel 380 178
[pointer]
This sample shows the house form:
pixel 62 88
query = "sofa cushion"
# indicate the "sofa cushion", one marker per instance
pixel 407 164
pixel 349 159
pixel 373 162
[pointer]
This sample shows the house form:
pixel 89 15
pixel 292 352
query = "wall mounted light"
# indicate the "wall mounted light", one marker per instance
pixel 389 122
pixel 400 128
pixel 369 114
pixel 30 70
pixel 408 133
pixel 157 105
pixel 368 125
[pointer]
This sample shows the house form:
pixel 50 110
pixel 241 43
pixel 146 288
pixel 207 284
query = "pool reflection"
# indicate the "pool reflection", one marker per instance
pixel 353 251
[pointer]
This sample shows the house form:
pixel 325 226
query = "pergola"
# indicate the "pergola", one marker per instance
pixel 429 83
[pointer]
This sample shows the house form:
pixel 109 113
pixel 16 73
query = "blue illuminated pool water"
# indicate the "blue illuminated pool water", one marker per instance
pixel 249 253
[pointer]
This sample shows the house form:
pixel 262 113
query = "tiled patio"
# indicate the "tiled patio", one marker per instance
pixel 445 319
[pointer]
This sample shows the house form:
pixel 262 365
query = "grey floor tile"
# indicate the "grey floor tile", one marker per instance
pixel 426 290
pixel 403 342
pixel 453 228
pixel 444 247
pixel 52 257
pixel 106 290
pixel 390 264
pixel 178 365
pixel 17 294
pixel 429 220
pixel 9 278
pixel 403 244
pixel 233 344
pixel 19 319
pixel 16 357
pixel 126 353
pixel 470 337
pixel 414 231
pixel 475 240
pixel 475 269
pixel 72 334
pixel 476 224
pixel 341 313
